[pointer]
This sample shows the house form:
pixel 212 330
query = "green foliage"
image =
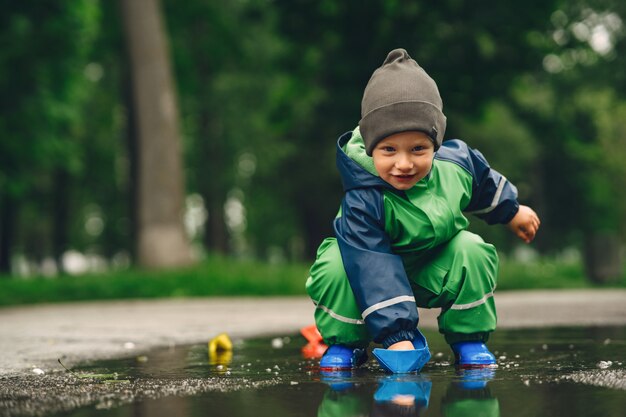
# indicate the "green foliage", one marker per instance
pixel 265 88
pixel 573 106
pixel 237 102
pixel 44 81
pixel 43 89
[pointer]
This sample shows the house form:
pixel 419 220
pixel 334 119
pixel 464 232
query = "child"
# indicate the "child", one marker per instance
pixel 400 233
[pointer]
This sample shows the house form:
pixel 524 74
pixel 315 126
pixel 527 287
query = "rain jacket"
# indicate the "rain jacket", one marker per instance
pixel 380 230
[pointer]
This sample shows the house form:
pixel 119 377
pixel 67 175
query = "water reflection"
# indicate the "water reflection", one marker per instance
pixel 405 395
pixel 468 394
pixel 220 359
pixel 573 372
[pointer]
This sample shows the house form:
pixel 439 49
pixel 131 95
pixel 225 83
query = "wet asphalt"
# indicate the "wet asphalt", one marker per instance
pixel 34 338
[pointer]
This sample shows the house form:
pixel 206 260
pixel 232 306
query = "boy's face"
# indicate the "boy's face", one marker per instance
pixel 404 158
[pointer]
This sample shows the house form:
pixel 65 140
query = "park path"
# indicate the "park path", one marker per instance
pixel 36 336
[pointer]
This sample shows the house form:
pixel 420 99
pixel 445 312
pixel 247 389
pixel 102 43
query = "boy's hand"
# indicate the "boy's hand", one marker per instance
pixel 525 224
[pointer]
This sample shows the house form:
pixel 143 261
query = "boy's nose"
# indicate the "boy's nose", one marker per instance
pixel 404 162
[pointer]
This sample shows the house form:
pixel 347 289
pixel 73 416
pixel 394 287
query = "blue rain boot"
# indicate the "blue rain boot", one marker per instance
pixel 404 361
pixel 338 357
pixel 472 354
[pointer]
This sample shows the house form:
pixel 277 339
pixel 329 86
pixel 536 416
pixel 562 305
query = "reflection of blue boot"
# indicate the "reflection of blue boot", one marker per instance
pixel 404 361
pixel 475 378
pixel 472 354
pixel 337 380
pixel 471 395
pixel 400 389
pixel 342 357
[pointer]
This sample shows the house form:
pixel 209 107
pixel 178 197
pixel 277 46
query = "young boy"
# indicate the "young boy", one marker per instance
pixel 400 233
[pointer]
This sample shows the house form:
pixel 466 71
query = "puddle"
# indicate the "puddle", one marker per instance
pixel 573 372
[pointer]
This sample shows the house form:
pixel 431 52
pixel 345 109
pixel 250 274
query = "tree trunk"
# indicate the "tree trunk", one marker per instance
pixel 212 182
pixel 161 240
pixel 215 234
pixel 132 192
pixel 60 216
pixel 603 257
pixel 7 222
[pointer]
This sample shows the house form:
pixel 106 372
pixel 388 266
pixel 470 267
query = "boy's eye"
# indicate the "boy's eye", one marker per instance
pixel 388 148
pixel 418 148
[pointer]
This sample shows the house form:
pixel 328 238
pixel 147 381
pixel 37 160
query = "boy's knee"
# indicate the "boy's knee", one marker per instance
pixel 472 246
pixel 329 262
pixel 328 270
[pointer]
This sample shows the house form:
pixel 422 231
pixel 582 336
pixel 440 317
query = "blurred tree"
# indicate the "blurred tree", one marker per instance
pixel 511 147
pixel 161 237
pixel 44 51
pixel 265 89
pixel 237 99
pixel 575 106
pixel 103 198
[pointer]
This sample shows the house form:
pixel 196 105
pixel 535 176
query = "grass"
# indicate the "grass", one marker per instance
pixel 219 276
pixel 545 273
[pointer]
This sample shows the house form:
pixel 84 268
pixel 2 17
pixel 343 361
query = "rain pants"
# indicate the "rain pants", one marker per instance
pixel 396 250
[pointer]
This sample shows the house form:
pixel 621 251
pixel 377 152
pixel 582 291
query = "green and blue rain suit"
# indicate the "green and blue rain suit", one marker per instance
pixel 396 250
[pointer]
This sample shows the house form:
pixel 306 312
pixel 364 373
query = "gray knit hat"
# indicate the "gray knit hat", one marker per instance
pixel 400 97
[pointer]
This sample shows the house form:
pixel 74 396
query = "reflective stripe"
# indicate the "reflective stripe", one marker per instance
pixel 337 316
pixel 387 303
pixel 473 304
pixel 496 198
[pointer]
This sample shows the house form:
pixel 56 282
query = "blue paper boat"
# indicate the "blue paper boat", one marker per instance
pixel 404 361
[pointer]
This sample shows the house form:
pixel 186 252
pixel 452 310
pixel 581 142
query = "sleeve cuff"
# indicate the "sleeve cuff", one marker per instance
pixel 511 214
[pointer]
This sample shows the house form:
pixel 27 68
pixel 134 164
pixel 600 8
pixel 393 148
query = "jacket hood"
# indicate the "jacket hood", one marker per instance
pixel 353 175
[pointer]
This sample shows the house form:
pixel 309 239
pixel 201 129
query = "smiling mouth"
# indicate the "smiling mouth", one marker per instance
pixel 404 177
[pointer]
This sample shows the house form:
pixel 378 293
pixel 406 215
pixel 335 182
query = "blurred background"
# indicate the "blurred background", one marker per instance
pixel 151 135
